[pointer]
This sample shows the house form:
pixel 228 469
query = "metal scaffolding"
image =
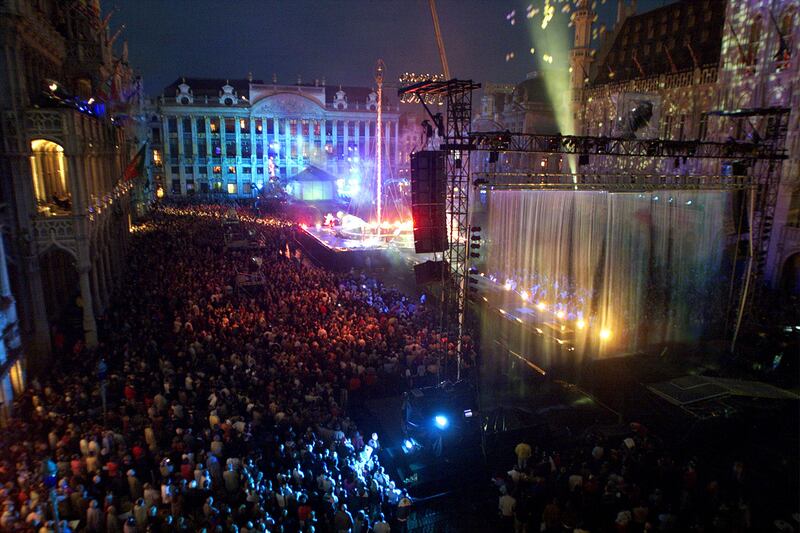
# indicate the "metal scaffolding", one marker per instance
pixel 457 144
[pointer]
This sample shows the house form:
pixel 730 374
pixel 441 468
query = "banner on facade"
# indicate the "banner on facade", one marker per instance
pixel 638 116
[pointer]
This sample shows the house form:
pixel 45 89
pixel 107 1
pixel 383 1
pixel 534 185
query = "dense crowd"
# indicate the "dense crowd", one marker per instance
pixel 208 407
pixel 630 484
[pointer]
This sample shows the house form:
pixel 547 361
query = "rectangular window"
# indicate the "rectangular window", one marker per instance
pixel 189 186
pixel 270 126
pixel 217 185
pixel 259 170
pixel 246 170
pixel 217 169
pixel 187 145
pixel 230 148
pixel 213 125
pixel 292 128
pixel 176 186
pixel 244 125
pixel 155 134
pixel 246 188
pixel 175 170
pixel 216 148
pixel 304 129
pixel 187 125
pixel 230 125
pixel 201 126
pixel 259 127
pixel 204 187
pixel 231 169
pixel 203 170
pixel 172 124
pixel 202 147
pixel 231 188
pixel 246 148
pixel 188 170
pixel 259 148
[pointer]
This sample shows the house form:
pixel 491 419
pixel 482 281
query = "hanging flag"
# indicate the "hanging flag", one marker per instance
pixel 638 65
pixel 672 66
pixel 136 167
pixel 691 53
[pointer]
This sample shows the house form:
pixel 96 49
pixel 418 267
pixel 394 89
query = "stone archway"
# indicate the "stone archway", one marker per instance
pixel 60 285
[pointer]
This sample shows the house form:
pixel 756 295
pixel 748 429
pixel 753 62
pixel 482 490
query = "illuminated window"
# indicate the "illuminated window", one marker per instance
pixel 217 185
pixel 259 126
pixel 231 188
pixel 230 125
pixel 217 169
pixel 244 125
pixel 232 170
pixel 213 125
pixel 157 157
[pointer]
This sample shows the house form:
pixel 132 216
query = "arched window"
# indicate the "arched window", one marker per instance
pixel 753 41
pixel 785 40
pixel 49 171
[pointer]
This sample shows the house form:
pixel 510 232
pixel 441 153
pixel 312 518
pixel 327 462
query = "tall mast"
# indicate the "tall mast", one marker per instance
pixel 379 70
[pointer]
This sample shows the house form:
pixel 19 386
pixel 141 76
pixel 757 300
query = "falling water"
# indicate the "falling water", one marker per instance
pixel 614 272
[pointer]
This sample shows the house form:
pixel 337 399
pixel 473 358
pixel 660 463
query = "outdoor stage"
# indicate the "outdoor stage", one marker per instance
pixel 337 252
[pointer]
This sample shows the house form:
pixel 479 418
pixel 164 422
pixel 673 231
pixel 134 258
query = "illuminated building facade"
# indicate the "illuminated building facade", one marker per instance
pixel 234 136
pixel 675 72
pixel 66 206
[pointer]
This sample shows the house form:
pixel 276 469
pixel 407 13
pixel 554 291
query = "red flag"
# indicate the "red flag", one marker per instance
pixel 136 167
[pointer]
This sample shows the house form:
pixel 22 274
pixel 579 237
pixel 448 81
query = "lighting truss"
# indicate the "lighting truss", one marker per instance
pixel 533 143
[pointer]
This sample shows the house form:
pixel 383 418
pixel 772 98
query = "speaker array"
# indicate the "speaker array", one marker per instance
pixel 428 191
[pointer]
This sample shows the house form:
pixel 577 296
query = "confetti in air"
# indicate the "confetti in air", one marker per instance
pixel 531 11
pixel 549 11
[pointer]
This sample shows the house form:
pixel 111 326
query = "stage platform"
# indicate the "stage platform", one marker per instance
pixel 338 253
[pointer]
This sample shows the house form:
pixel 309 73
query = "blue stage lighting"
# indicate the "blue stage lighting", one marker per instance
pixel 408 445
pixel 441 421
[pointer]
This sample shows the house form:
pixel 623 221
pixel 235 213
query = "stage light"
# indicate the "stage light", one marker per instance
pixel 408 445
pixel 441 421
pixel 524 295
pixel 507 285
pixel 580 324
pixel 560 314
pixel 605 334
pixel 53 86
pixel 541 306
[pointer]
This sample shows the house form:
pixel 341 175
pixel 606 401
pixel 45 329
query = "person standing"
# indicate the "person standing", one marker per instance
pixel 507 504
pixel 523 451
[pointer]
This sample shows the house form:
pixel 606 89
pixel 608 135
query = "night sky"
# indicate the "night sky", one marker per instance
pixel 339 40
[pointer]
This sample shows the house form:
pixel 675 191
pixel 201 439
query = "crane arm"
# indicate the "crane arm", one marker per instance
pixel 439 41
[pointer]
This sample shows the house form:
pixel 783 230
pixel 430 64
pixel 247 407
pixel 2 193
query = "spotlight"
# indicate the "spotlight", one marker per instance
pixel 408 445
pixel 560 314
pixel 441 421
pixel 605 334
pixel 541 306
pixel 580 324
pixel 53 86
pixel 524 295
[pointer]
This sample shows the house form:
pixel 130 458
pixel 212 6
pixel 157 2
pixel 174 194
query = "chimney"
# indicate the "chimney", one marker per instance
pixel 299 80
pixel 274 78
pixel 323 81
pixel 250 76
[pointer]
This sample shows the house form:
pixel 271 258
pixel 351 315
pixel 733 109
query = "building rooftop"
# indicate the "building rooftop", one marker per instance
pixel 663 40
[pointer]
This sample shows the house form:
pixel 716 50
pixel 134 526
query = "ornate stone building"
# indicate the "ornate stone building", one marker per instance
pixel 65 103
pixel 233 136
pixel 700 70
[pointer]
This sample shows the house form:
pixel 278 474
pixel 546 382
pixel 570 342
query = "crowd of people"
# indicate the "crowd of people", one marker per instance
pixel 211 407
